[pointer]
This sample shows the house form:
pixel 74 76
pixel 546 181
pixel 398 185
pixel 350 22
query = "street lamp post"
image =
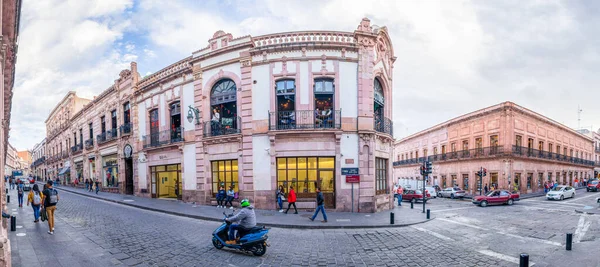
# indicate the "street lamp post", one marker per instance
pixel 192 111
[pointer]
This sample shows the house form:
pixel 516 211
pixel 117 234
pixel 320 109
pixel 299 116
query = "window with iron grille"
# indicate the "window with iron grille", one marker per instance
pixel 381 176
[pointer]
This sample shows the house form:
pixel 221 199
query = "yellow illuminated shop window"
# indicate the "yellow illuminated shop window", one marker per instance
pixel 225 174
pixel 304 174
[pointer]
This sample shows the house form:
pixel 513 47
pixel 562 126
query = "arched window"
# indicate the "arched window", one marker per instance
pixel 223 102
pixel 286 103
pixel 324 103
pixel 378 106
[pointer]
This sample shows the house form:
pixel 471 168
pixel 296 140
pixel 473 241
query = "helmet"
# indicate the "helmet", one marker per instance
pixel 245 203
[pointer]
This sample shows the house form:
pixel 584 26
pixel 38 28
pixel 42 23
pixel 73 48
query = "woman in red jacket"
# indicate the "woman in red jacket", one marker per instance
pixel 291 200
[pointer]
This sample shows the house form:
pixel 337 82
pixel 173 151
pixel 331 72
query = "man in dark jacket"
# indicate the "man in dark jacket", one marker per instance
pixel 246 219
pixel 320 206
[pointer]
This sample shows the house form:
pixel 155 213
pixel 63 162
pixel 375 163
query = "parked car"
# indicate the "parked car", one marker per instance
pixel 432 191
pixel 452 192
pixel 561 192
pixel 26 186
pixel 496 197
pixel 413 195
pixel 593 185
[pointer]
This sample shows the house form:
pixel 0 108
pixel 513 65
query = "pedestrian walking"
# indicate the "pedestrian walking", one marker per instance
pixel 399 193
pixel 230 197
pixel 320 206
pixel 97 184
pixel 20 193
pixel 291 201
pixel 220 197
pixel 485 189
pixel 12 183
pixel 50 199
pixel 280 197
pixel 87 183
pixel 35 198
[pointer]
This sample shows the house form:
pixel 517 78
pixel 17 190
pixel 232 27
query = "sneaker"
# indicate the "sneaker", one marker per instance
pixel 50 232
pixel 311 219
pixel 53 230
pixel 218 207
pixel 324 221
pixel 280 210
pixel 296 212
pixel 231 207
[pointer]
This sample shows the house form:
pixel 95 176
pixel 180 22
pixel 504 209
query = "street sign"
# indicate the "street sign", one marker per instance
pixel 352 178
pixel 349 171
pixel 17 173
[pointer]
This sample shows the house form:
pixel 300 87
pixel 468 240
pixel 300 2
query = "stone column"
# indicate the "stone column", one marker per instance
pixel 246 178
pixel 202 195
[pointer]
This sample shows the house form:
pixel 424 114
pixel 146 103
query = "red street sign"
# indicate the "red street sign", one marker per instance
pixel 352 178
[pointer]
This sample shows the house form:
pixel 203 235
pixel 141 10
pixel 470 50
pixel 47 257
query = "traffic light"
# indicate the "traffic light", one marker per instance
pixel 478 173
pixel 422 169
pixel 429 167
pixel 484 172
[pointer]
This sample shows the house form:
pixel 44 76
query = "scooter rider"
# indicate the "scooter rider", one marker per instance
pixel 246 219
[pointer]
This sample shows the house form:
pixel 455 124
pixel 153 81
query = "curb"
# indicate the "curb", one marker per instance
pixel 592 212
pixel 288 226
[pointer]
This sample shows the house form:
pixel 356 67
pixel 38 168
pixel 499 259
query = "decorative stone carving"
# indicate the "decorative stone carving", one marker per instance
pixel 365 25
pixel 197 71
pixel 366 137
pixel 246 62
pixel 343 52
pixel 264 54
pixel 303 51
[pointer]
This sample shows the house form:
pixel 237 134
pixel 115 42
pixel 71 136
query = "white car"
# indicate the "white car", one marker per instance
pixel 561 192
pixel 431 191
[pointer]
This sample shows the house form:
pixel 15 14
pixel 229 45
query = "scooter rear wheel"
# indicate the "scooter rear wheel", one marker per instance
pixel 217 243
pixel 259 249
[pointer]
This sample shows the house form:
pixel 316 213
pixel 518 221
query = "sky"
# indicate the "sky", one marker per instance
pixel 454 57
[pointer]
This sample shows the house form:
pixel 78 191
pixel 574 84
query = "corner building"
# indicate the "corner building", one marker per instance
pixel 520 149
pixel 289 109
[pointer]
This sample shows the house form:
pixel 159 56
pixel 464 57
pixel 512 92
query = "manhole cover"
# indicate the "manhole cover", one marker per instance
pixel 21 234
pixel 19 226
pixel 127 200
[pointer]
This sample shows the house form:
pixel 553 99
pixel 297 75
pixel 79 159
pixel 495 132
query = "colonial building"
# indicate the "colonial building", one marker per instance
pixel 596 137
pixel 285 109
pixel 10 10
pixel 11 160
pixel 38 167
pixel 58 137
pixel 100 135
pixel 519 148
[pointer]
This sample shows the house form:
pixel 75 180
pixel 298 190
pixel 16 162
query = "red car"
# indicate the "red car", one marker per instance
pixel 593 185
pixel 414 195
pixel 496 197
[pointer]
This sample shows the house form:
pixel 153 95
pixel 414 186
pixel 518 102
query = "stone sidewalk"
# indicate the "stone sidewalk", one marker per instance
pixel 403 216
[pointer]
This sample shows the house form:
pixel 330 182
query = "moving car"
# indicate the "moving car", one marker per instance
pixel 413 195
pixel 593 185
pixel 496 197
pixel 431 190
pixel 561 192
pixel 452 192
pixel 26 186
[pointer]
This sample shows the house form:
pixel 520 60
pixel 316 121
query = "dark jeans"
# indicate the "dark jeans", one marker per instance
pixel 280 202
pixel 291 204
pixel 322 209
pixel 232 229
pixel 229 200
pixel 36 211
pixel 399 199
pixel 20 199
pixel 219 201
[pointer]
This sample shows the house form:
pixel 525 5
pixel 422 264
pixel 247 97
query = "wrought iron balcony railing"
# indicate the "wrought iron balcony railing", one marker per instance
pixel 89 144
pixel 597 149
pixel 225 126
pixel 125 129
pixel 107 136
pixel 39 161
pixel 305 119
pixel 517 151
pixel 163 137
pixel 383 125
pixel 77 148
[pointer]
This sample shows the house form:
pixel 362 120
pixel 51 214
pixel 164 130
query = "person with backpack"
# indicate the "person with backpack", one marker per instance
pixel 35 198
pixel 20 193
pixel 50 198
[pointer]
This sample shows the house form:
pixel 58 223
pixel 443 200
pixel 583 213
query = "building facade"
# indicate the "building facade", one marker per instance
pixel 58 136
pixel 520 150
pixel 11 161
pixel 596 137
pixel 10 10
pixel 24 162
pixel 38 167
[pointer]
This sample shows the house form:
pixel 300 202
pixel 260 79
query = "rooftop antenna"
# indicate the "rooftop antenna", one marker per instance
pixel 579 110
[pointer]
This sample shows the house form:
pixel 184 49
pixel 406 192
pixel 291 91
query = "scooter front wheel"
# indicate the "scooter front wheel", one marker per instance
pixel 259 249
pixel 217 243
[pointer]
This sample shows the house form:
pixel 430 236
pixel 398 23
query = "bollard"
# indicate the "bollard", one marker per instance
pixel 7 199
pixel 569 240
pixel 7 190
pixel 428 214
pixel 411 205
pixel 524 260
pixel 391 218
pixel 13 223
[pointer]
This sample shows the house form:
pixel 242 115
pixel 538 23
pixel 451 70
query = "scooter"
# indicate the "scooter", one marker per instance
pixel 253 240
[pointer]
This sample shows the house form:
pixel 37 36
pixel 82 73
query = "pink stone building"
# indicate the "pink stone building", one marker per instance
pixel 520 149
pixel 258 112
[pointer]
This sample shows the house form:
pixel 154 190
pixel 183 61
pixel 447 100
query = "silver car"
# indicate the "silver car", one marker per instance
pixel 452 192
pixel 561 192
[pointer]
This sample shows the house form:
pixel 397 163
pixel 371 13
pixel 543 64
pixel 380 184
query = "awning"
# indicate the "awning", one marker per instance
pixel 64 170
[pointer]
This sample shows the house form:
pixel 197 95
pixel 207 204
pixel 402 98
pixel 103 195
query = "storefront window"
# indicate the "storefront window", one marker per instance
pixel 79 171
pixel 381 175
pixel 110 169
pixel 540 179
pixel 529 180
pixel 494 179
pixel 465 181
pixel 92 169
pixel 225 174
pixel 517 182
pixel 166 181
pixel 444 185
pixel 305 174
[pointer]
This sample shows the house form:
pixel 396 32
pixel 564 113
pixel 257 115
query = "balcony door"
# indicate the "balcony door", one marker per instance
pixel 379 104
pixel 324 103
pixel 176 133
pixel 286 106
pixel 154 133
